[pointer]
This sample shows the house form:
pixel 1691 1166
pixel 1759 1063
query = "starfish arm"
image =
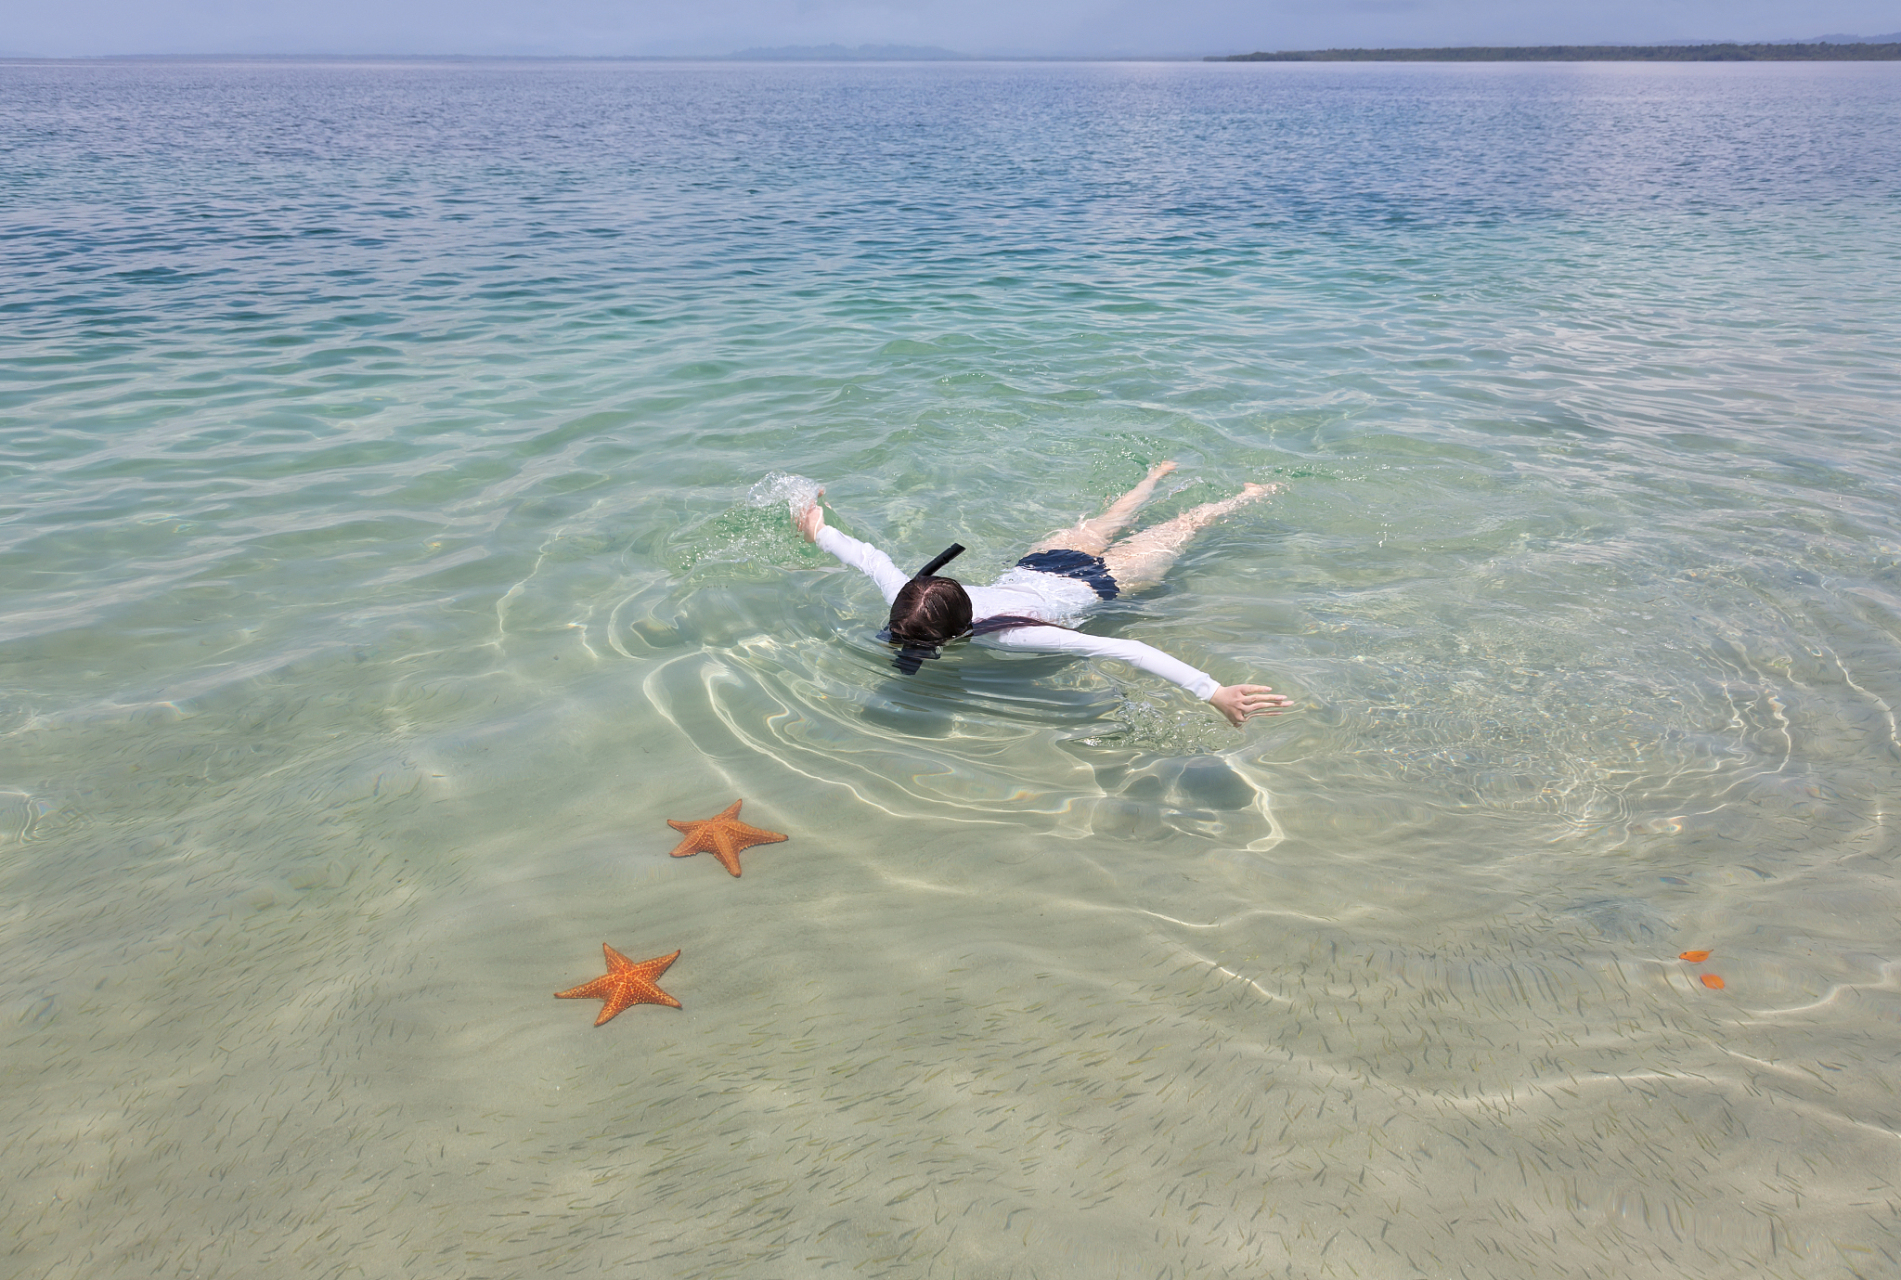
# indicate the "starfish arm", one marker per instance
pixel 652 969
pixel 612 1009
pixel 722 846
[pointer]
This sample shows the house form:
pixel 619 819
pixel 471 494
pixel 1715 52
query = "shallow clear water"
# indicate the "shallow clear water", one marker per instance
pixel 377 575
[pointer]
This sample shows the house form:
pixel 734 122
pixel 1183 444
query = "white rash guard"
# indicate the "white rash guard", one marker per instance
pixel 1028 593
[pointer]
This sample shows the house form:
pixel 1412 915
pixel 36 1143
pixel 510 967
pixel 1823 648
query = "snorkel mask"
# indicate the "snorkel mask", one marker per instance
pixel 911 656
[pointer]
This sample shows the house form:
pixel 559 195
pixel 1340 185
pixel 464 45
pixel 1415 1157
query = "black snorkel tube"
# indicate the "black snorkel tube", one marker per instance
pixel 944 557
pixel 911 656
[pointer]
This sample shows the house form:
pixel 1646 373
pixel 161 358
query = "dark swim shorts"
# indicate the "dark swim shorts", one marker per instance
pixel 1080 565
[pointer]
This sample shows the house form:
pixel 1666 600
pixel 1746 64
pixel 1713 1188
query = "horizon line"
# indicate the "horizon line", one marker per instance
pixel 942 55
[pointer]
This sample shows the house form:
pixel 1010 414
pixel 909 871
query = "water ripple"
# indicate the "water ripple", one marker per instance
pixel 378 575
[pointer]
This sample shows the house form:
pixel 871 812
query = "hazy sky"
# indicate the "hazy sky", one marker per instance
pixel 1006 27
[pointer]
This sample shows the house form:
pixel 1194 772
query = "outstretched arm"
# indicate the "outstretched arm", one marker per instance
pixel 1236 701
pixel 861 556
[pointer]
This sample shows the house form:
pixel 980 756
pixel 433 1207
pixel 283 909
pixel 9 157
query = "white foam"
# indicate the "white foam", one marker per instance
pixel 797 492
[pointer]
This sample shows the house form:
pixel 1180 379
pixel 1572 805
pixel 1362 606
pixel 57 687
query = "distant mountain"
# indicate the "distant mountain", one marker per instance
pixel 863 53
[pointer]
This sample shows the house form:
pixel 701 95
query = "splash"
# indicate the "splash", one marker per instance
pixel 797 492
pixel 750 538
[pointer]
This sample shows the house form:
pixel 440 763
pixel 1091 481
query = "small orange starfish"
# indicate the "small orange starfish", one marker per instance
pixel 723 836
pixel 625 983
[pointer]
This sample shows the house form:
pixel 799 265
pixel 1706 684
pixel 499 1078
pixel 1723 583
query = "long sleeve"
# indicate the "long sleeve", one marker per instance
pixel 1134 652
pixel 865 558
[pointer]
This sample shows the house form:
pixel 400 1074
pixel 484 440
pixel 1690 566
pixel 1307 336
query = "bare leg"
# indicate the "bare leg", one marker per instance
pixel 1092 535
pixel 1140 560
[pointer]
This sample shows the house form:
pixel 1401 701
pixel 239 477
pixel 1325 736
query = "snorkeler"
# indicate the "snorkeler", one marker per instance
pixel 1035 605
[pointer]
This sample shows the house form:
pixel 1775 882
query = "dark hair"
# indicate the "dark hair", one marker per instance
pixel 929 611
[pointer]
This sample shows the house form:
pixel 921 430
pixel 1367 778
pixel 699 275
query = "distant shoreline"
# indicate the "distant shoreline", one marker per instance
pixel 1591 53
pixel 1865 51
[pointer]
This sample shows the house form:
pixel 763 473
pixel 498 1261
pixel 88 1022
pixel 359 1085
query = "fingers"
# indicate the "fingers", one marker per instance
pixel 1239 702
pixel 809 521
pixel 1262 694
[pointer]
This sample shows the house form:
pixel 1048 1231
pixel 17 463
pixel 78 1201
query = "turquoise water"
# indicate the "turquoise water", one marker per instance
pixel 377 576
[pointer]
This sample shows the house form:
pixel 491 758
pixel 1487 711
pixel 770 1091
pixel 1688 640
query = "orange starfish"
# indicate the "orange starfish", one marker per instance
pixel 723 836
pixel 625 983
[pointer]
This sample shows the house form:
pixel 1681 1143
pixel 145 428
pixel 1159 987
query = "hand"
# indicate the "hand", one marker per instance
pixel 811 520
pixel 1239 701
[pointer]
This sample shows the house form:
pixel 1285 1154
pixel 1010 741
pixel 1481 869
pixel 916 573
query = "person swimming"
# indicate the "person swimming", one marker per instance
pixel 1036 605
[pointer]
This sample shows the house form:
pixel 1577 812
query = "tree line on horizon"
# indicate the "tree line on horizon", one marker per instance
pixel 1817 52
